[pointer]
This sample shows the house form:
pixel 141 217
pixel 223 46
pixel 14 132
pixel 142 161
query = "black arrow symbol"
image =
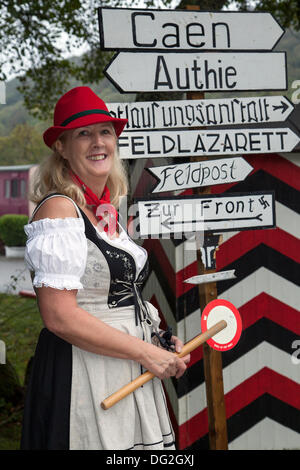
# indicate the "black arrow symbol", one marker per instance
pixel 282 106
pixel 168 222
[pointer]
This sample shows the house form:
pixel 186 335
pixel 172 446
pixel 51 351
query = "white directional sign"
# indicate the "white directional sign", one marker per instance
pixel 193 71
pixel 215 213
pixel 212 277
pixel 187 143
pixel 197 174
pixel 210 112
pixel 126 29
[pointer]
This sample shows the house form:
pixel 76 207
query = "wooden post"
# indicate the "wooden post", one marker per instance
pixel 217 423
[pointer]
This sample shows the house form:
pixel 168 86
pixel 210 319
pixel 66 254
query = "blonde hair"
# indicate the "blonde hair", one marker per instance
pixel 52 176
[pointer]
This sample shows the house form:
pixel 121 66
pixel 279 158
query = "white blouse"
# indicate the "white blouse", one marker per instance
pixel 56 251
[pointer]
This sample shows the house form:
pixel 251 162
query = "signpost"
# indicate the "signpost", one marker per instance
pixel 212 277
pixel 211 112
pixel 198 174
pixel 187 142
pixel 193 71
pixel 193 51
pixel 209 213
pixel 127 29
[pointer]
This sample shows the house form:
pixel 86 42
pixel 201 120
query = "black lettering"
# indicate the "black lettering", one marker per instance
pixel 230 72
pixel 134 112
pixel 170 123
pixel 238 205
pixel 180 150
pixel 165 175
pixel 189 35
pixel 215 173
pixel 133 24
pixel 221 113
pixel 121 139
pixel 148 147
pixel 146 121
pixel 266 106
pixel 161 65
pixel 267 134
pixel 232 167
pixel 205 173
pixel 190 116
pixel 166 210
pixel 196 69
pixel 188 168
pixel 178 109
pixel 240 146
pixel 252 105
pixel 200 119
pixel 135 144
pixel 281 134
pixel 227 146
pixel 215 35
pixel 166 138
pixel 207 73
pixel 208 118
pixel 204 204
pixel 196 174
pixel 211 148
pixel 217 206
pixel 152 209
pixel 220 75
pixel 229 207
pixel 176 35
pixel 154 105
pixel 186 85
pixel 224 170
pixel 199 144
pixel 178 174
pixel 250 204
pixel 253 142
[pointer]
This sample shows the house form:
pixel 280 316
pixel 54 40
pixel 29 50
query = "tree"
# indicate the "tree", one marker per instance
pixel 23 145
pixel 35 36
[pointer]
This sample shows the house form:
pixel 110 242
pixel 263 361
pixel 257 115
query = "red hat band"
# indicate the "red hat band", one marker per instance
pixel 80 107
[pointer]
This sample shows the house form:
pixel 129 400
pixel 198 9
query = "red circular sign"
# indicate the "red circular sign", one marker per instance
pixel 216 311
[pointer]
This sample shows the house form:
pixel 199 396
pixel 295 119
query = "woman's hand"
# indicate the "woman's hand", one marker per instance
pixel 162 363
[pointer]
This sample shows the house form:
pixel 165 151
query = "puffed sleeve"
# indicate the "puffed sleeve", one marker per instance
pixel 56 251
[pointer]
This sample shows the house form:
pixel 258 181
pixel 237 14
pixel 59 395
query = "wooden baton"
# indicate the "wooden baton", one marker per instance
pixel 142 379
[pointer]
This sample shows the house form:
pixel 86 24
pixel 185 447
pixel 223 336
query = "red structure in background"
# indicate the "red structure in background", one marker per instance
pixel 14 182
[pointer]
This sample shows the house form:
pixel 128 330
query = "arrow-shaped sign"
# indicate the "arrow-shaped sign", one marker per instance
pixel 186 143
pixel 194 113
pixel 198 174
pixel 212 277
pixel 214 213
pixel 184 71
pixel 282 107
pixel 168 223
pixel 125 29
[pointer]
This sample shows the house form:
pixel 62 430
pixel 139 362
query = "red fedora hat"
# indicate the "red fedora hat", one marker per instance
pixel 80 107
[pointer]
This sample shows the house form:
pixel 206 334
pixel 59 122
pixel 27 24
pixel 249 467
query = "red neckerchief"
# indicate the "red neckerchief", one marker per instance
pixel 100 207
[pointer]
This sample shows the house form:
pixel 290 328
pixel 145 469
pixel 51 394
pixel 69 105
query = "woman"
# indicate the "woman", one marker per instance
pixel 88 278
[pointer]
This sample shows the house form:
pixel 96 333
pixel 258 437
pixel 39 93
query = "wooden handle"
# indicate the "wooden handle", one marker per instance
pixel 142 379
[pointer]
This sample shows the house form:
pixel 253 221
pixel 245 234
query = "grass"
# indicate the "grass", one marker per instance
pixel 20 324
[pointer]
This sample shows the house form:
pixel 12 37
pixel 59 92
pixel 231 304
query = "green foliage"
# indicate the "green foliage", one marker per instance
pixel 20 324
pixel 12 229
pixel 23 145
pixel 37 38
